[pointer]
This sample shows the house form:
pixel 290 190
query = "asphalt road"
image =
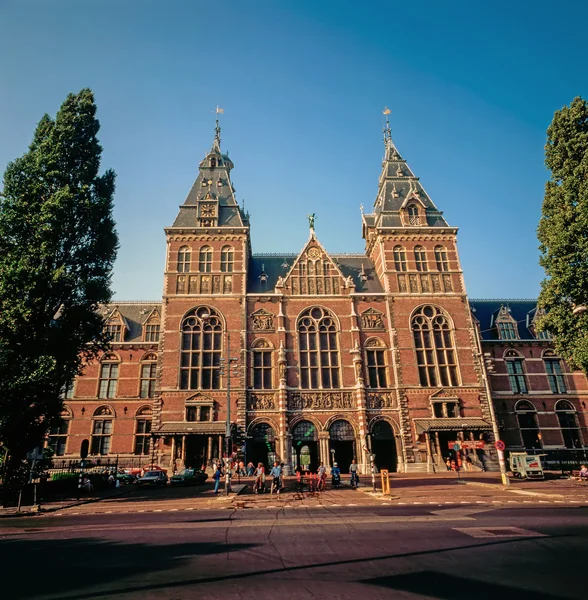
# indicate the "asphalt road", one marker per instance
pixel 464 552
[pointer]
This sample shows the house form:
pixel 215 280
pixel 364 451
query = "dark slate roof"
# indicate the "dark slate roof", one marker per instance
pixel 522 312
pixel 350 265
pixel 397 182
pixel 229 214
pixel 135 314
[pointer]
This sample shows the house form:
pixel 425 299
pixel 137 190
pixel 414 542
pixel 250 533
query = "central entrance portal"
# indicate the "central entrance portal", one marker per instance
pixel 305 446
pixel 342 444
pixel 384 446
pixel 261 446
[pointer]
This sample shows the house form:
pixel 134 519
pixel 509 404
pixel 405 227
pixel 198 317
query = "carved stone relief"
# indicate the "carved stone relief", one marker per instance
pixel 262 320
pixel 262 402
pixel 320 400
pixel 372 319
pixel 377 400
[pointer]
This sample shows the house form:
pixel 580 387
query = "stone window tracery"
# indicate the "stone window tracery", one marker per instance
pixel 314 274
pixel 319 350
pixel 261 361
pixel 201 351
pixel 435 349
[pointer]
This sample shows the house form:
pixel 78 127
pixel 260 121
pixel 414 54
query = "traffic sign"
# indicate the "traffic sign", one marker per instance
pixel 456 446
pixel 499 445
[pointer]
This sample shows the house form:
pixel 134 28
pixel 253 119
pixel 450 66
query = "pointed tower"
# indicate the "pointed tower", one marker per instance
pixel 203 312
pixel 437 366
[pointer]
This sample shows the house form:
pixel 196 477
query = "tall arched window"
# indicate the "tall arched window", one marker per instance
pixel 375 359
pixel 261 360
pixel 420 258
pixel 202 332
pixel 399 258
pixel 441 258
pixel 516 372
pixel 148 376
pixel 58 433
pixel 568 423
pixel 184 259
pixel 107 383
pixel 555 376
pixel 433 340
pixel 205 259
pixel 319 349
pixel 143 430
pixel 527 418
pixel 102 430
pixel 227 259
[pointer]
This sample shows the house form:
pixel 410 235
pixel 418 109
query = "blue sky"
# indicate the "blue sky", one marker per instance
pixel 472 88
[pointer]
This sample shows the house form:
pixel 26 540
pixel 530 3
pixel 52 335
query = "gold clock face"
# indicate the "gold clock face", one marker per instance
pixel 207 210
pixel 314 253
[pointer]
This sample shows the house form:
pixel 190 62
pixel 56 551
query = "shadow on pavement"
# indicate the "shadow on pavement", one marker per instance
pixel 52 567
pixel 452 587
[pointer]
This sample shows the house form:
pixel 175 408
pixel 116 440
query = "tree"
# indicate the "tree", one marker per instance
pixel 58 244
pixel 563 234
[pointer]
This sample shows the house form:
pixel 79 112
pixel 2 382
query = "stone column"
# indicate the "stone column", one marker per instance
pixel 324 447
pixel 172 458
pixel 282 402
pixel 209 451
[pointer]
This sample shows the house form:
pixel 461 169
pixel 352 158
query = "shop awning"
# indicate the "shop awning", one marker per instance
pixel 183 428
pixel 466 424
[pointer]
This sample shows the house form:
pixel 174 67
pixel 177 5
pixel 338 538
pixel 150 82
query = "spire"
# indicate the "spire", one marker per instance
pixel 217 130
pixel 386 131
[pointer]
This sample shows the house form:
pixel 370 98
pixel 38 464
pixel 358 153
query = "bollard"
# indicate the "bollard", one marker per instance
pixel 385 481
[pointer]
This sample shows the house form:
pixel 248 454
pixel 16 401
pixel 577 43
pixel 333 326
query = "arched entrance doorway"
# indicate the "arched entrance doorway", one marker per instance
pixel 384 446
pixel 305 445
pixel 342 444
pixel 261 445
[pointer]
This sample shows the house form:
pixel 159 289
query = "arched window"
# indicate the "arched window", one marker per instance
pixel 202 333
pixel 184 259
pixel 263 432
pixel 341 431
pixel 304 431
pixel 101 430
pixel 375 360
pixel 420 258
pixel 555 376
pixel 143 430
pixel 319 350
pixel 413 214
pixel 527 418
pixel 433 340
pixel 441 258
pixel 399 258
pixel 108 376
pixel 205 259
pixel 148 376
pixel 261 360
pixel 227 259
pixel 58 433
pixel 568 423
pixel 516 372
pixel 213 162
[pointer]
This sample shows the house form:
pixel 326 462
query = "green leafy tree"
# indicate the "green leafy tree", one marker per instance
pixel 563 234
pixel 58 244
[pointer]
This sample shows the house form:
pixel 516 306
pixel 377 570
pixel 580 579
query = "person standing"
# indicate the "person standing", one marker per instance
pixel 250 469
pixel 354 476
pixel 322 476
pixel 276 473
pixel 217 477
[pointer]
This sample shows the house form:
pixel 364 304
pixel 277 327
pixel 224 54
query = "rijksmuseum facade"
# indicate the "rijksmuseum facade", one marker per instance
pixel 332 357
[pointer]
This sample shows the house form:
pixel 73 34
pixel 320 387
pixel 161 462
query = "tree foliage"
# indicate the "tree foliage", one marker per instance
pixel 57 248
pixel 563 234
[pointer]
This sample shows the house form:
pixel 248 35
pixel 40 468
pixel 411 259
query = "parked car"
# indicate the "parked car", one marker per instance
pixel 155 478
pixel 188 477
pixel 147 468
pixel 126 478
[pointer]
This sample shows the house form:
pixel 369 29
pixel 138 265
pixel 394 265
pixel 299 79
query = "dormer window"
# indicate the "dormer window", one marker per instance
pixel 413 214
pixel 213 163
pixel 114 332
pixel 506 325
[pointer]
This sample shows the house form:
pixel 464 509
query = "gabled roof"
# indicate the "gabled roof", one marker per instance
pixel 398 184
pixel 522 311
pixel 134 315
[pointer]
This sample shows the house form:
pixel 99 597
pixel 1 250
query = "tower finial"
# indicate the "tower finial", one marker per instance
pixel 386 131
pixel 217 129
pixel 311 218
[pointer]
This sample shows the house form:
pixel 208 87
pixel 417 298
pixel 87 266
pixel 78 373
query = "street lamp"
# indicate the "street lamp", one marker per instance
pixel 225 369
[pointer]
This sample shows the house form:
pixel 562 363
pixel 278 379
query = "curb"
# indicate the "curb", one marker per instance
pixel 508 489
pixel 43 511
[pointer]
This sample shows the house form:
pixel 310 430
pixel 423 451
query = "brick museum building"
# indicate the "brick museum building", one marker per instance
pixel 323 357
